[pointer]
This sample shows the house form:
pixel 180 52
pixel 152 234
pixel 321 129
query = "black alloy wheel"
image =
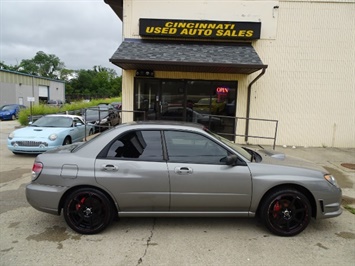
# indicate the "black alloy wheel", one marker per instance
pixel 286 212
pixel 88 211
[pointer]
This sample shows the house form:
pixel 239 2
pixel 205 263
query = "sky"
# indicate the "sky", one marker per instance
pixel 81 33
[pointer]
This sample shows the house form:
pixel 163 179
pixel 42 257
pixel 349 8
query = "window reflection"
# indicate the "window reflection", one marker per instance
pixel 142 145
pixel 186 147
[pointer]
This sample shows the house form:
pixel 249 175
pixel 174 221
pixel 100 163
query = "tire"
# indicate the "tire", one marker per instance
pixel 286 212
pixel 13 117
pixel 88 211
pixel 67 141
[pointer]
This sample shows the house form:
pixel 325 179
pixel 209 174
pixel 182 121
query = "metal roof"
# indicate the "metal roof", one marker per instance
pixel 240 58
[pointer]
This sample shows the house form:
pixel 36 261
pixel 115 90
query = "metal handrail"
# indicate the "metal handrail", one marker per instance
pixel 248 119
pixel 236 119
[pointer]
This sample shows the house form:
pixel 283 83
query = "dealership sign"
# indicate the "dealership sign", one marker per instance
pixel 199 29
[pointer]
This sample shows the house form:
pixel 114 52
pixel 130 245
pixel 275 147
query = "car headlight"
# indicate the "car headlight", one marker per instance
pixel 53 136
pixel 11 135
pixel 331 180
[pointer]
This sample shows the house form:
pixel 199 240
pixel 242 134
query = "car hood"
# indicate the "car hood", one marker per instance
pixel 37 132
pixel 276 158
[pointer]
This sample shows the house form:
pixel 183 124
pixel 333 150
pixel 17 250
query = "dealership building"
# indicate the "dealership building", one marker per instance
pixel 251 70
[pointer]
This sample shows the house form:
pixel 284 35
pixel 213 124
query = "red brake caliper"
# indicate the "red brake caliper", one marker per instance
pixel 277 208
pixel 78 205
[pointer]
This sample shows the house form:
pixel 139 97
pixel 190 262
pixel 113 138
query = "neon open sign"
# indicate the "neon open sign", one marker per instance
pixel 222 90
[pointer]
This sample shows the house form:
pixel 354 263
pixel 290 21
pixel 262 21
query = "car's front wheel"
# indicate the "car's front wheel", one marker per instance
pixel 67 141
pixel 88 211
pixel 286 212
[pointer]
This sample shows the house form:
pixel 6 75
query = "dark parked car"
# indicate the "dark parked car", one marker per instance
pixel 117 105
pixel 10 111
pixel 171 169
pixel 102 116
pixel 55 103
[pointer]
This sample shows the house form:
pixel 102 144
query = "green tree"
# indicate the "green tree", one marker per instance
pixel 67 74
pixel 8 67
pixel 42 64
pixel 98 82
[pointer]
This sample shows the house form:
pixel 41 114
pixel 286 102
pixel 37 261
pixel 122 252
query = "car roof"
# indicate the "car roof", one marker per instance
pixel 65 115
pixel 165 124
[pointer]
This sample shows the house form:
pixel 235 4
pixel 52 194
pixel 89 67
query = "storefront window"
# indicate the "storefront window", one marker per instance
pixel 206 102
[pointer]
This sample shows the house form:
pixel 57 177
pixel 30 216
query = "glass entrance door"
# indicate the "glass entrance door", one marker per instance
pixel 159 100
pixel 146 99
pixel 172 100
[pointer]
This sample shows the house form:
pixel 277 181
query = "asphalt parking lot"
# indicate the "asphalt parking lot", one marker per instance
pixel 30 237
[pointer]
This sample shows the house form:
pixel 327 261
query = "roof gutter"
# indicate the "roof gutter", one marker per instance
pixel 248 103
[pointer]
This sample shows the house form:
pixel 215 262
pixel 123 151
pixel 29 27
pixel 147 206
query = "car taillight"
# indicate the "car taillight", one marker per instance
pixel 36 170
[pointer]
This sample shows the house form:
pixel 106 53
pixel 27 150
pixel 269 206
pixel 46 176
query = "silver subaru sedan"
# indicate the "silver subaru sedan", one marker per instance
pixel 166 169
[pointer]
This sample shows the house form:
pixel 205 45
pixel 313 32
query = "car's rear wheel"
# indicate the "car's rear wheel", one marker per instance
pixel 13 117
pixel 286 212
pixel 88 211
pixel 67 141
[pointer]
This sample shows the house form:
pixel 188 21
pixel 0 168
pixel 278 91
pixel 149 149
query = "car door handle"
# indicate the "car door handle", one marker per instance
pixel 109 167
pixel 183 170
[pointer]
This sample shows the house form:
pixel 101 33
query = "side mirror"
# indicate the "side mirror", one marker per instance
pixel 78 124
pixel 230 159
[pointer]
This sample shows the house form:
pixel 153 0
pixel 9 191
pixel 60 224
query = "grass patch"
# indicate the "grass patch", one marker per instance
pixel 350 209
pixel 77 107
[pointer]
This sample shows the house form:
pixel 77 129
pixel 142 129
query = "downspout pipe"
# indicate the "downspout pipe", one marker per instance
pixel 248 103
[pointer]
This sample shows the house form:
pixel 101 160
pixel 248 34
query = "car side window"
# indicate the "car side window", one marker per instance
pixel 137 145
pixel 189 147
pixel 77 122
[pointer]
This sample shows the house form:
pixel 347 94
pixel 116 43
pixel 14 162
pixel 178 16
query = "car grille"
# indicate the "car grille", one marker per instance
pixel 29 143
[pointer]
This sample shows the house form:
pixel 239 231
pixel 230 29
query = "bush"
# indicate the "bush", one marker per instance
pixel 74 107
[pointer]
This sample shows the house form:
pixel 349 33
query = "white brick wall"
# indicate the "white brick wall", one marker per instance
pixel 309 84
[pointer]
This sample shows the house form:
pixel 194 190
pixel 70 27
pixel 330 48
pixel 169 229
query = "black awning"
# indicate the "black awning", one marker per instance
pixel 234 58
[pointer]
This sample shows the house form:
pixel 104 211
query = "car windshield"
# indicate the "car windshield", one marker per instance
pixel 8 107
pixel 232 145
pixel 53 121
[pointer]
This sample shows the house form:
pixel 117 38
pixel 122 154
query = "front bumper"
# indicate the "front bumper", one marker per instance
pixel 5 116
pixel 29 150
pixel 32 146
pixel 329 206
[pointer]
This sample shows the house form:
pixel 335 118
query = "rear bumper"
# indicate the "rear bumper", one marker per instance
pixel 45 198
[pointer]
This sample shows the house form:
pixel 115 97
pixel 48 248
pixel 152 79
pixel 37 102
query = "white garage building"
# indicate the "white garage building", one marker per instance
pixel 20 88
